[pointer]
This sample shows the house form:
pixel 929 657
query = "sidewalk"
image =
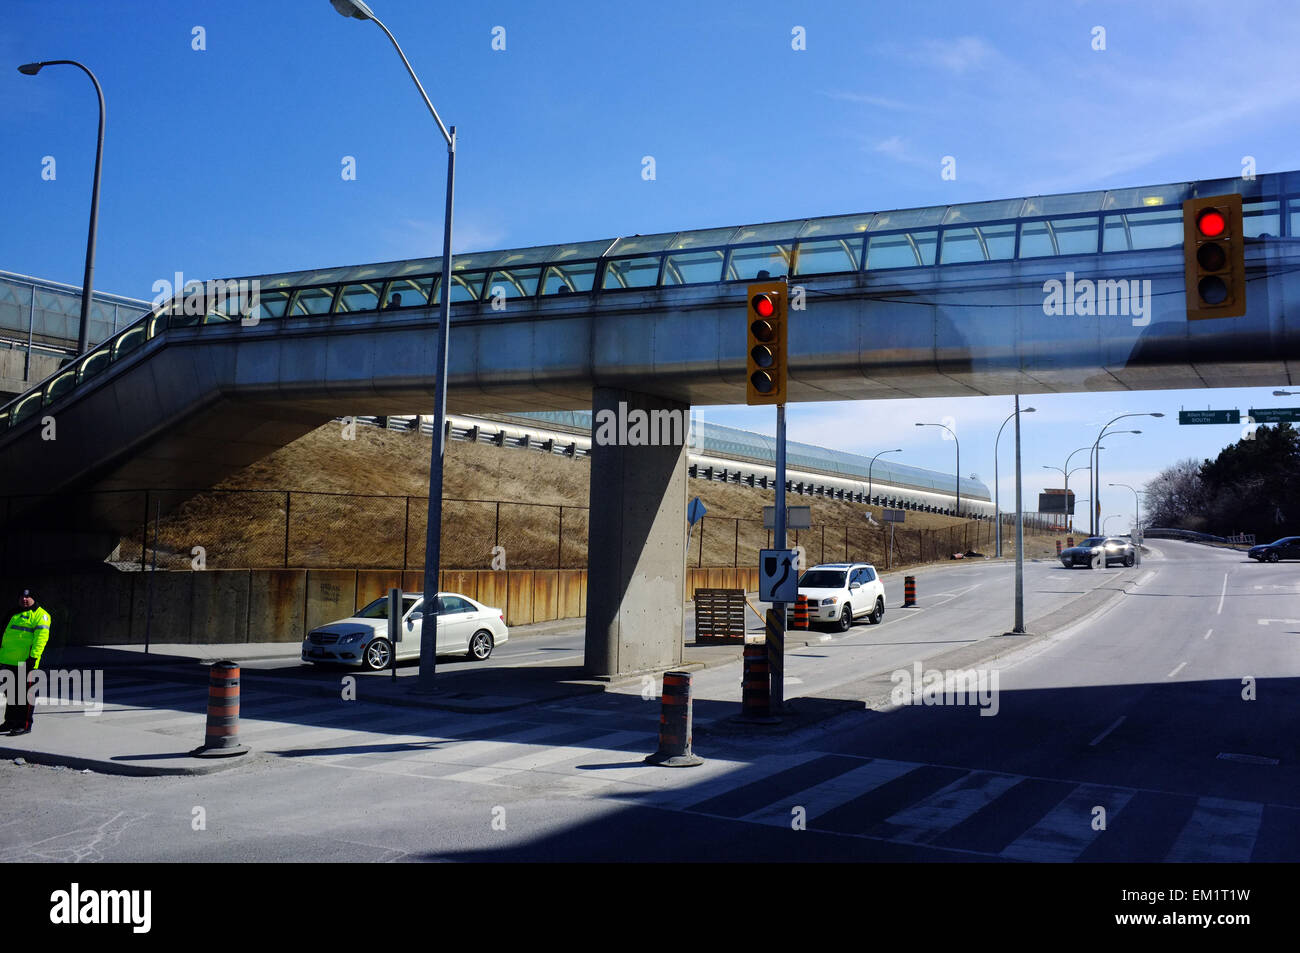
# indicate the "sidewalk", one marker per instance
pixel 73 739
pixel 70 737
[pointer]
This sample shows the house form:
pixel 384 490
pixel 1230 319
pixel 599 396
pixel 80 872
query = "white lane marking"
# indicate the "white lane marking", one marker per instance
pixel 1177 670
pixel 1223 594
pixel 1208 633
pixel 1147 578
pixel 1283 621
pixel 1246 758
pixel 1219 831
pixel 1101 737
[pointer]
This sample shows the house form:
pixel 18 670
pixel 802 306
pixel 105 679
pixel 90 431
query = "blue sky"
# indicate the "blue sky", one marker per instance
pixel 226 161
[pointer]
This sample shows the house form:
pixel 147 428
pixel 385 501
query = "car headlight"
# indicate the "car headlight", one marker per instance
pixel 349 639
pixel 831 601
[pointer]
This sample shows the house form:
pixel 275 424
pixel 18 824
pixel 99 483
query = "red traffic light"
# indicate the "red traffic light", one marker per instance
pixel 1211 223
pixel 764 305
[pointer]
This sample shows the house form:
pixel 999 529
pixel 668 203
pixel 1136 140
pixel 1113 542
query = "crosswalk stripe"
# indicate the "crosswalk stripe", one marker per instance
pixel 1066 830
pixel 395 728
pixel 600 744
pixel 1219 831
pixel 450 754
pixel 946 808
pixel 821 798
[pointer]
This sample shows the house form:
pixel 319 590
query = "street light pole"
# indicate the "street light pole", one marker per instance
pixel 356 9
pixel 997 499
pixel 872 466
pixel 1020 536
pixel 958 442
pixel 1095 481
pixel 1066 474
pixel 88 279
pixel 1137 521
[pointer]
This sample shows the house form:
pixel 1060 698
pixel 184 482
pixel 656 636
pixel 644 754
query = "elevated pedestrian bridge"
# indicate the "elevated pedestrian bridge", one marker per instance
pixel 941 301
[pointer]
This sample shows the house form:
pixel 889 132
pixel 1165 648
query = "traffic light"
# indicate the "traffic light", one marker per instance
pixel 1214 257
pixel 766 326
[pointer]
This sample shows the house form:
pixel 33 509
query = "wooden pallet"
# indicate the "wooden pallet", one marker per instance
pixel 719 616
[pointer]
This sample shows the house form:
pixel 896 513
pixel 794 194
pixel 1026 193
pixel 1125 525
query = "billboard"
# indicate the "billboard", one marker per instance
pixel 1056 501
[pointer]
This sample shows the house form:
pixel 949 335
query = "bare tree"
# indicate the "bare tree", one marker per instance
pixel 1176 497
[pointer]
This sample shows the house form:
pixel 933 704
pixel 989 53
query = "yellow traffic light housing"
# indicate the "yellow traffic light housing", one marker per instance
pixel 765 320
pixel 1214 257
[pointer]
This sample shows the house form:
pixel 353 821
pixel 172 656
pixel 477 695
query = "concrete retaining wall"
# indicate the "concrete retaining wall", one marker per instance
pixel 224 606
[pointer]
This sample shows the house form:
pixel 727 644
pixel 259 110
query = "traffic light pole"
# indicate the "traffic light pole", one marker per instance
pixel 776 634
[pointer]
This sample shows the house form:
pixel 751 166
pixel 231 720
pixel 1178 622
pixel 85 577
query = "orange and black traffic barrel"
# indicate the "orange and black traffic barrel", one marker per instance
pixel 1058 547
pixel 909 592
pixel 801 613
pixel 755 685
pixel 1069 542
pixel 221 737
pixel 675 724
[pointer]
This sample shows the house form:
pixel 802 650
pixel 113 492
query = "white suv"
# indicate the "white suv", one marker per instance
pixel 840 593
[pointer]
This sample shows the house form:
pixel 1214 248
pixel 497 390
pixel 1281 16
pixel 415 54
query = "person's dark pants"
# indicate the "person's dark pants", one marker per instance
pixel 18 715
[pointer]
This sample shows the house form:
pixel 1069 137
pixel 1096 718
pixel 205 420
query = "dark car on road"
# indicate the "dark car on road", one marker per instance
pixel 1099 551
pixel 1288 547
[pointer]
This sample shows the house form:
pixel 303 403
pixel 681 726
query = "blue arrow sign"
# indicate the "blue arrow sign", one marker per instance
pixel 695 512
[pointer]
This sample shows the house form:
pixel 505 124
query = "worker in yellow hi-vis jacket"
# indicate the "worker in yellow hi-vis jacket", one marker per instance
pixel 20 655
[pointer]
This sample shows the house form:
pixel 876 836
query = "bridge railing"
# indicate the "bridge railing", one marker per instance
pixel 1039 227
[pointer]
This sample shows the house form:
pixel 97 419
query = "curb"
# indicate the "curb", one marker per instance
pixel 130 769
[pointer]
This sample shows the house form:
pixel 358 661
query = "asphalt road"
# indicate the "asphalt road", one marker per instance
pixel 1162 728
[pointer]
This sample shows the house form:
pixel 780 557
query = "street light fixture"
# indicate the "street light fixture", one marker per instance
pixel 358 10
pixel 87 281
pixel 1095 480
pixel 958 442
pixel 1113 516
pixel 997 499
pixel 1136 532
pixel 1066 474
pixel 873 463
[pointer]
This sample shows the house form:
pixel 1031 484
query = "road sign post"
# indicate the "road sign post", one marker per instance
pixel 394 626
pixel 776 634
pixel 891 517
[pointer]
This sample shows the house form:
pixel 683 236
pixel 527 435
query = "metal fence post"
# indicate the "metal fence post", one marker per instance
pixel 406 534
pixel 559 542
pixel 287 503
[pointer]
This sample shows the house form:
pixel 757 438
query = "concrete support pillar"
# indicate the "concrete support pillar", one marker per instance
pixel 636 549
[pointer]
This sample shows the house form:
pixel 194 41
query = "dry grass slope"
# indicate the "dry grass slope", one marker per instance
pixel 521 494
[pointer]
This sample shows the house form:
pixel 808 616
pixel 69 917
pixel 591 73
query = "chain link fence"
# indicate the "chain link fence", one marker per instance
pixel 265 529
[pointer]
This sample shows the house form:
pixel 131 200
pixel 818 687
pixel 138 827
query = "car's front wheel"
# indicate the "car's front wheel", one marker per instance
pixel 1130 559
pixel 846 619
pixel 378 655
pixel 878 613
pixel 480 645
pixel 1273 557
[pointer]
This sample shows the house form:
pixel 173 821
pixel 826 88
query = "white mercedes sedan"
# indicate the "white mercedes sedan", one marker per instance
pixel 465 627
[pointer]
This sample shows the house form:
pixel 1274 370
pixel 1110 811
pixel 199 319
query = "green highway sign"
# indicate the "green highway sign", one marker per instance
pixel 1209 416
pixel 1275 415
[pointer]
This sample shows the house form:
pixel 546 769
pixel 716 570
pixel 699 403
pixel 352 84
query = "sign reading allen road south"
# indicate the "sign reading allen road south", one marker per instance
pixel 1209 416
